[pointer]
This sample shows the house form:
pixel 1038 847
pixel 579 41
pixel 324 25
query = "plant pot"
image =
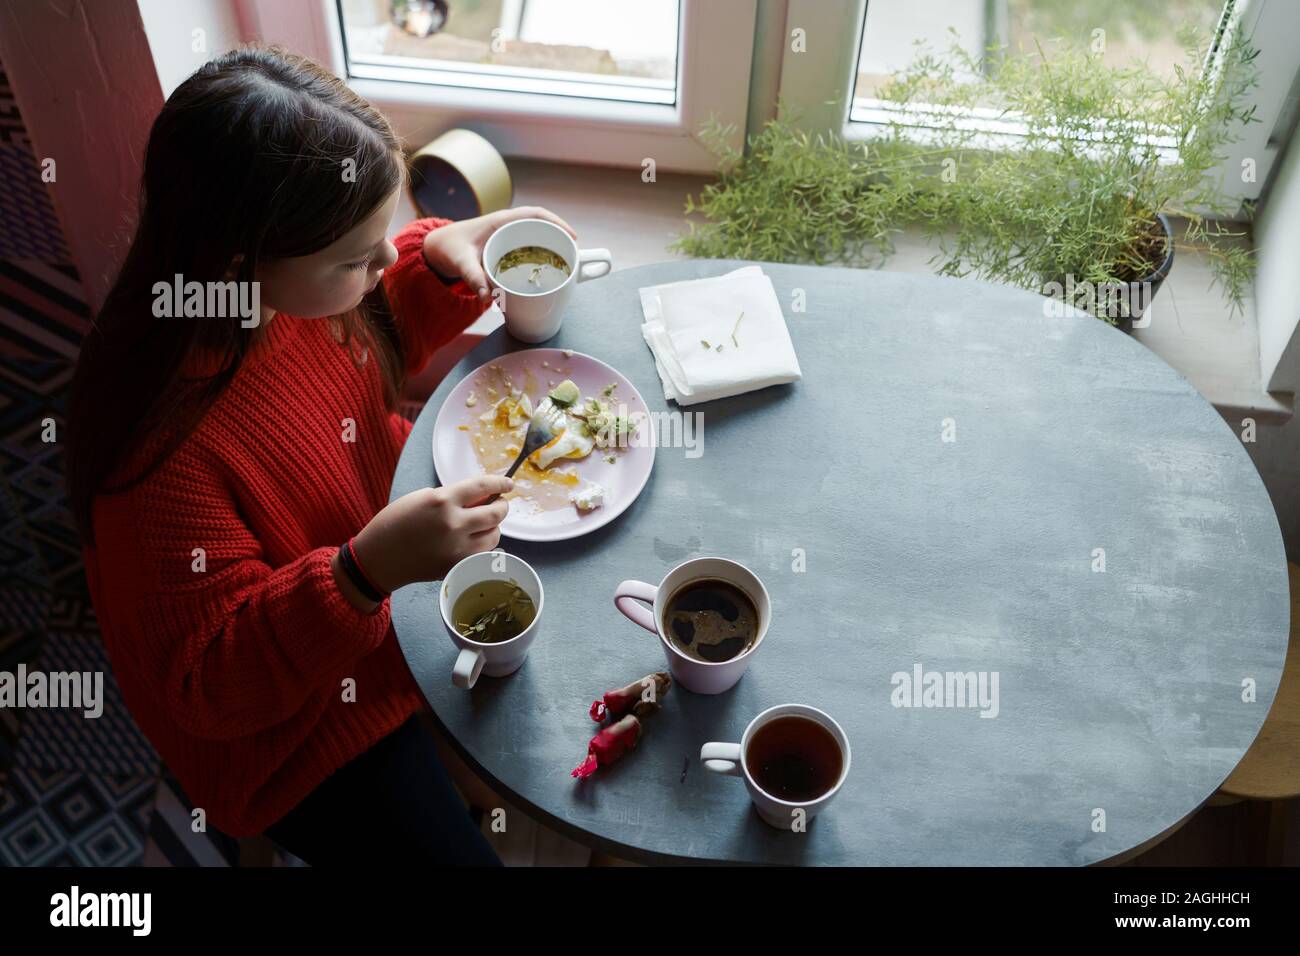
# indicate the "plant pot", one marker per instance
pixel 1143 290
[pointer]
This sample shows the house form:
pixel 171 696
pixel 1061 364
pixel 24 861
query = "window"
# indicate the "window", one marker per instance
pixel 1129 31
pixel 862 41
pixel 601 49
pixel 589 81
pixel 617 81
pixel 1122 33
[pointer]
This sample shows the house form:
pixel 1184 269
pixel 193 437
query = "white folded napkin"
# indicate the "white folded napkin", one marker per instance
pixel 737 311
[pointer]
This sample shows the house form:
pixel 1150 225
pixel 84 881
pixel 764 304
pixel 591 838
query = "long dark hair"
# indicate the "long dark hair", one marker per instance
pixel 244 164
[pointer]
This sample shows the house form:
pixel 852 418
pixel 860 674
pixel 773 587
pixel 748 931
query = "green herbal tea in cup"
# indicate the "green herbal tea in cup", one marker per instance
pixel 493 611
pixel 531 270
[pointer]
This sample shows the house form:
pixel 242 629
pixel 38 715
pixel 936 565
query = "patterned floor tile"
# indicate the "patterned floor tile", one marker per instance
pixel 36 518
pixel 18 645
pixel 56 738
pixel 38 540
pixel 71 818
pixel 19 556
pixel 23 609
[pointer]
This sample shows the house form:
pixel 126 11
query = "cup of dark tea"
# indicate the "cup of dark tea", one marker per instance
pixel 535 264
pixel 491 603
pixel 793 759
pixel 711 614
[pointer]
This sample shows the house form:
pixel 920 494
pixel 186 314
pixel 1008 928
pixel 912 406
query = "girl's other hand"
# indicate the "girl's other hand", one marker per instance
pixel 456 249
pixel 421 535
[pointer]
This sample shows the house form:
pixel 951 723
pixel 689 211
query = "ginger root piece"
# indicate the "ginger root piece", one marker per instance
pixel 641 697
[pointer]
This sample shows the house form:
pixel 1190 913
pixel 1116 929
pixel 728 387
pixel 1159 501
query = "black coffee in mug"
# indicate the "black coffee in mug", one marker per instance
pixel 711 620
pixel 794 758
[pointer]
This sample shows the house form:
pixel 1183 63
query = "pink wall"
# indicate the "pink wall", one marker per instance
pixel 85 84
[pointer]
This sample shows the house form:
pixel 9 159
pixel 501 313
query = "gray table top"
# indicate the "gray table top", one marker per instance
pixel 1120 692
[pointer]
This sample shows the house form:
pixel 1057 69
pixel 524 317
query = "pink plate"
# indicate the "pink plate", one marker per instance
pixel 454 458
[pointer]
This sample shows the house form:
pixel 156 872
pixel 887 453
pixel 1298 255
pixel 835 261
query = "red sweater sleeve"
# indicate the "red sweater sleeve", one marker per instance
pixel 430 313
pixel 239 646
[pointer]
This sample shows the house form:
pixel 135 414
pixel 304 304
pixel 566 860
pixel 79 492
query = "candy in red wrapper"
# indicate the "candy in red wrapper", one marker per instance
pixel 641 697
pixel 608 745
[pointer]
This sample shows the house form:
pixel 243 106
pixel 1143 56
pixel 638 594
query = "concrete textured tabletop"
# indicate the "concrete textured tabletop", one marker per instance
pixel 1124 695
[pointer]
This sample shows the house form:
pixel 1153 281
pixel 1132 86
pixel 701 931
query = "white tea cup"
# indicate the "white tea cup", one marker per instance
pixel 503 657
pixel 536 316
pixel 732 760
pixel 702 677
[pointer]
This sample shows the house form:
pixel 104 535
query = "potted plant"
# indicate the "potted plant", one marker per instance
pixel 1053 172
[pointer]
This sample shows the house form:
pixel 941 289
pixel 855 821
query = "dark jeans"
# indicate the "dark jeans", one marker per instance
pixel 392 804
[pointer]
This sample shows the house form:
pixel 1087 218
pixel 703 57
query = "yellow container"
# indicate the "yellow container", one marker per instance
pixel 460 175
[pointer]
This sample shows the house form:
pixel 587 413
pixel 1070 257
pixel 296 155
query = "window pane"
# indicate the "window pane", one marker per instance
pixel 1134 30
pixel 610 49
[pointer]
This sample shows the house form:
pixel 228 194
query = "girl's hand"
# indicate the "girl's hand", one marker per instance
pixel 456 249
pixel 421 535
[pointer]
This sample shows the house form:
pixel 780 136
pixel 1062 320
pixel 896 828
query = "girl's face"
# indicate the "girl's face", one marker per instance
pixel 333 280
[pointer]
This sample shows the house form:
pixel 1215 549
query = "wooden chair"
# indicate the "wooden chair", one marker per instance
pixel 257 851
pixel 1270 771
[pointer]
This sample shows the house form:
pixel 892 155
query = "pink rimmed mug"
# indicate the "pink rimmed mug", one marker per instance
pixel 702 677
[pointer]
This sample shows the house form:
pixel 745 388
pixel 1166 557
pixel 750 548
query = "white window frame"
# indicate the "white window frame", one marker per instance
pixel 805 78
pixel 714 59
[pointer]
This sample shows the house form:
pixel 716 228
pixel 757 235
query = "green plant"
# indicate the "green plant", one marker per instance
pixel 1072 195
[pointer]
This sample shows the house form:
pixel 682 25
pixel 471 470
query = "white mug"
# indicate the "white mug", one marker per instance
pixel 729 759
pixel 536 316
pixel 503 657
pixel 702 677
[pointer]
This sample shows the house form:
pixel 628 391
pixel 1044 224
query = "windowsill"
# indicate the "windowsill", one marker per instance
pixel 1191 328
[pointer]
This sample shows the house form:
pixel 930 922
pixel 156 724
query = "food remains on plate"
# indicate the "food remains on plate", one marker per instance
pixel 547 480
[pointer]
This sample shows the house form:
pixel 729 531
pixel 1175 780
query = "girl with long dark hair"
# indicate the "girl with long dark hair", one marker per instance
pixel 229 473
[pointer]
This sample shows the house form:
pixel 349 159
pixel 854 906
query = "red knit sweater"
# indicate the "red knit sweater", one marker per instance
pixel 236 673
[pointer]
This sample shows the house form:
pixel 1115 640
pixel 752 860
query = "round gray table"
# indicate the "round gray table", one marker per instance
pixel 1120 692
